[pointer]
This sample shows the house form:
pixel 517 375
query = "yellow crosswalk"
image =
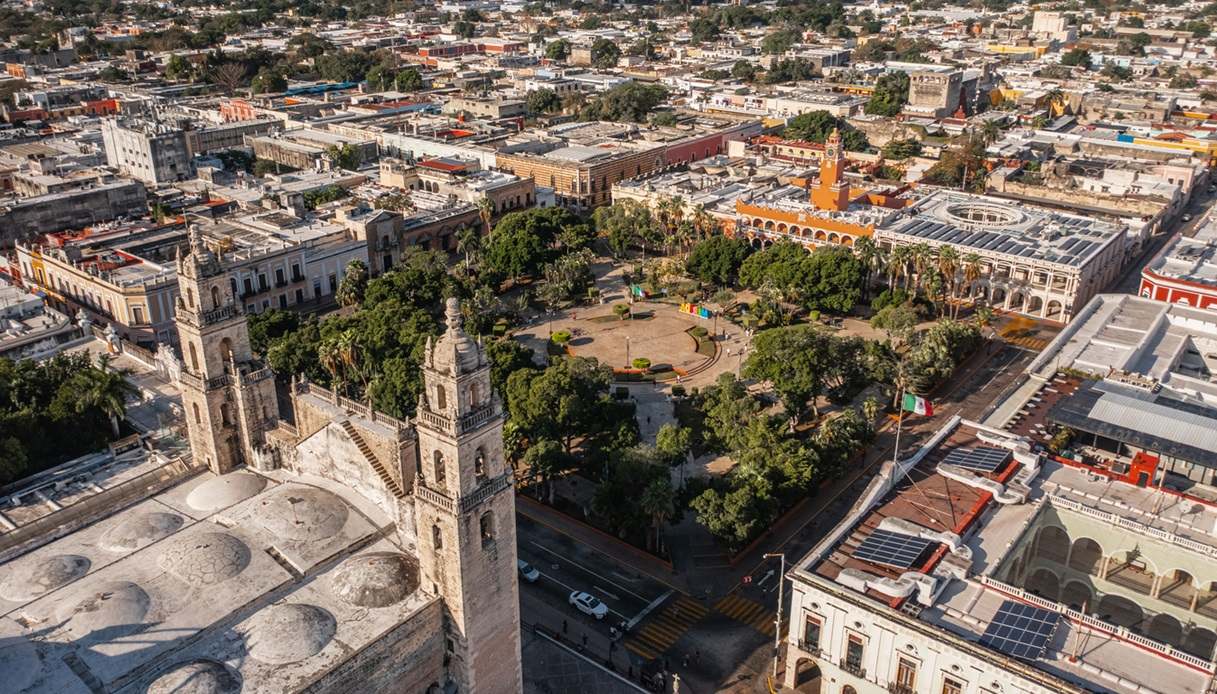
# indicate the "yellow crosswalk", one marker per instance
pixel 749 612
pixel 661 631
pixel 1033 343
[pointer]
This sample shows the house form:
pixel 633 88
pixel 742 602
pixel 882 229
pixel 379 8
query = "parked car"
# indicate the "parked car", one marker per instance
pixel 588 604
pixel 528 572
pixel 1187 218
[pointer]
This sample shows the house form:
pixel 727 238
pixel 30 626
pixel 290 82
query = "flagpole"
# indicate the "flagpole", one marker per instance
pixel 899 422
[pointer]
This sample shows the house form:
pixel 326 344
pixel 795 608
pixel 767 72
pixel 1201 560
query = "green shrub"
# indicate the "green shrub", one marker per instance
pixel 678 391
pixel 561 337
pixel 642 363
pixel 621 393
pixel 698 331
pixel 622 310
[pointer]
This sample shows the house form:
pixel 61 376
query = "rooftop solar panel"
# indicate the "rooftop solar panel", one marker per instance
pixel 1021 631
pixel 981 458
pixel 892 549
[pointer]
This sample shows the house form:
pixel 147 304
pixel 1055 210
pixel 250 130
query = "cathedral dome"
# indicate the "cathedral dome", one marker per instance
pixel 116 605
pixel 36 579
pixel 224 491
pixel 136 531
pixel 206 559
pixel 282 634
pixel 20 662
pixel 302 513
pixel 376 579
pixel 197 677
pixel 455 352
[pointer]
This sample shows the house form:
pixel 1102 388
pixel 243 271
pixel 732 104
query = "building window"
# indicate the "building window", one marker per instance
pixel 189 297
pixel 198 418
pixel 440 477
pixel 853 653
pixel 479 464
pixel 437 538
pixel 137 315
pixel 279 278
pixel 282 301
pixel 194 357
pixel 215 297
pixel 811 632
pixel 906 673
pixel 263 285
pixel 487 527
pixel 441 398
pixel 951 685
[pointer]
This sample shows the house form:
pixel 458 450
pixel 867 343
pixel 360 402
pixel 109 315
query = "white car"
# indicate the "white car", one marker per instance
pixel 528 572
pixel 1187 218
pixel 588 604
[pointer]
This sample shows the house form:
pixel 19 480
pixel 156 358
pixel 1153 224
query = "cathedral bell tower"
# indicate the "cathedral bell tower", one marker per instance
pixel 228 397
pixel 465 513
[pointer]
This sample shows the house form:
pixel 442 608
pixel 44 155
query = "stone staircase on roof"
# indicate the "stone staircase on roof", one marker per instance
pixel 390 483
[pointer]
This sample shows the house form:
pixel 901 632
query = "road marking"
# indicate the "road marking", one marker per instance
pixel 545 575
pixel 747 611
pixel 667 627
pixel 623 589
pixel 607 592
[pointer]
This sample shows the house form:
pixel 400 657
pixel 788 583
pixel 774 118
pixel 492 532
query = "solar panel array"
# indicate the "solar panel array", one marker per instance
pixel 1072 251
pixel 892 549
pixel 981 458
pixel 1021 631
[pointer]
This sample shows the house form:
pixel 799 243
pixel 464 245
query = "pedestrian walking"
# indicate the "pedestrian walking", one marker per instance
pixel 564 626
pixel 585 640
pixel 684 662
pixel 697 656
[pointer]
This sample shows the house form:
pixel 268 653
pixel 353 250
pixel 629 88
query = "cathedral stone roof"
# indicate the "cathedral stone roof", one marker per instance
pixel 455 352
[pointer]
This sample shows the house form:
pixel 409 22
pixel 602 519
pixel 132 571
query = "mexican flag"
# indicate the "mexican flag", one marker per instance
pixel 916 405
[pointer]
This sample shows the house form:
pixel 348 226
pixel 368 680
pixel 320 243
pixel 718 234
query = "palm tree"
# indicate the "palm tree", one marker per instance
pixel 989 132
pixel 703 223
pixel 330 357
pixel 971 271
pixel 573 101
pixel 349 355
pixel 107 391
pixel 948 266
pixel 658 502
pixel 485 211
pixel 897 265
pixel 1053 97
pixel 920 254
pixel 868 253
pixel 469 244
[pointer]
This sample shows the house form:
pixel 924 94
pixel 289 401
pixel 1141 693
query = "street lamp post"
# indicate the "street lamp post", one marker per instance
pixel 777 622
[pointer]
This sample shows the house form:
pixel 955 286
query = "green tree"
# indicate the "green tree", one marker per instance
pixel 1077 57
pixel 673 443
pixel 344 156
pixel 798 361
pixel 717 259
pixel 605 54
pixel 902 149
pixel 816 126
pixel 629 102
pixel 543 101
pixel 658 502
pixel 743 70
pixel 268 82
pixel 557 50
pixel 354 284
pixel 779 41
pixel 409 80
pixel 178 68
pixel 891 94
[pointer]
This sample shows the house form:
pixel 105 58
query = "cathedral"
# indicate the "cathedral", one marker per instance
pixel 442 478
pixel 313 545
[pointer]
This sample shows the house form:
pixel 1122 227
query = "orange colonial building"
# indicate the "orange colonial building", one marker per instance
pixel 834 212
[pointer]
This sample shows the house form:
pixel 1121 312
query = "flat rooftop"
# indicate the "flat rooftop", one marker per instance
pixel 268 576
pixel 949 534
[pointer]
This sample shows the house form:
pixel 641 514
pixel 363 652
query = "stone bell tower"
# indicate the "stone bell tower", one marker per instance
pixel 465 513
pixel 229 398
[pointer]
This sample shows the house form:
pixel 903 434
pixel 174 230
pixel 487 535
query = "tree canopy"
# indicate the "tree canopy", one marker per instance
pixel 717 259
pixel 629 102
pixel 816 126
pixel 827 279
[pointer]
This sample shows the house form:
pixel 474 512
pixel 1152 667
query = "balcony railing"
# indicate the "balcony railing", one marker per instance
pixel 809 648
pixel 897 688
pixel 485 491
pixel 218 314
pixel 439 499
pixel 467 422
pixel 853 668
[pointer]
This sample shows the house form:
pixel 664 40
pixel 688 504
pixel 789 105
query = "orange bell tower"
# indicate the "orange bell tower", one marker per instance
pixel 832 190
